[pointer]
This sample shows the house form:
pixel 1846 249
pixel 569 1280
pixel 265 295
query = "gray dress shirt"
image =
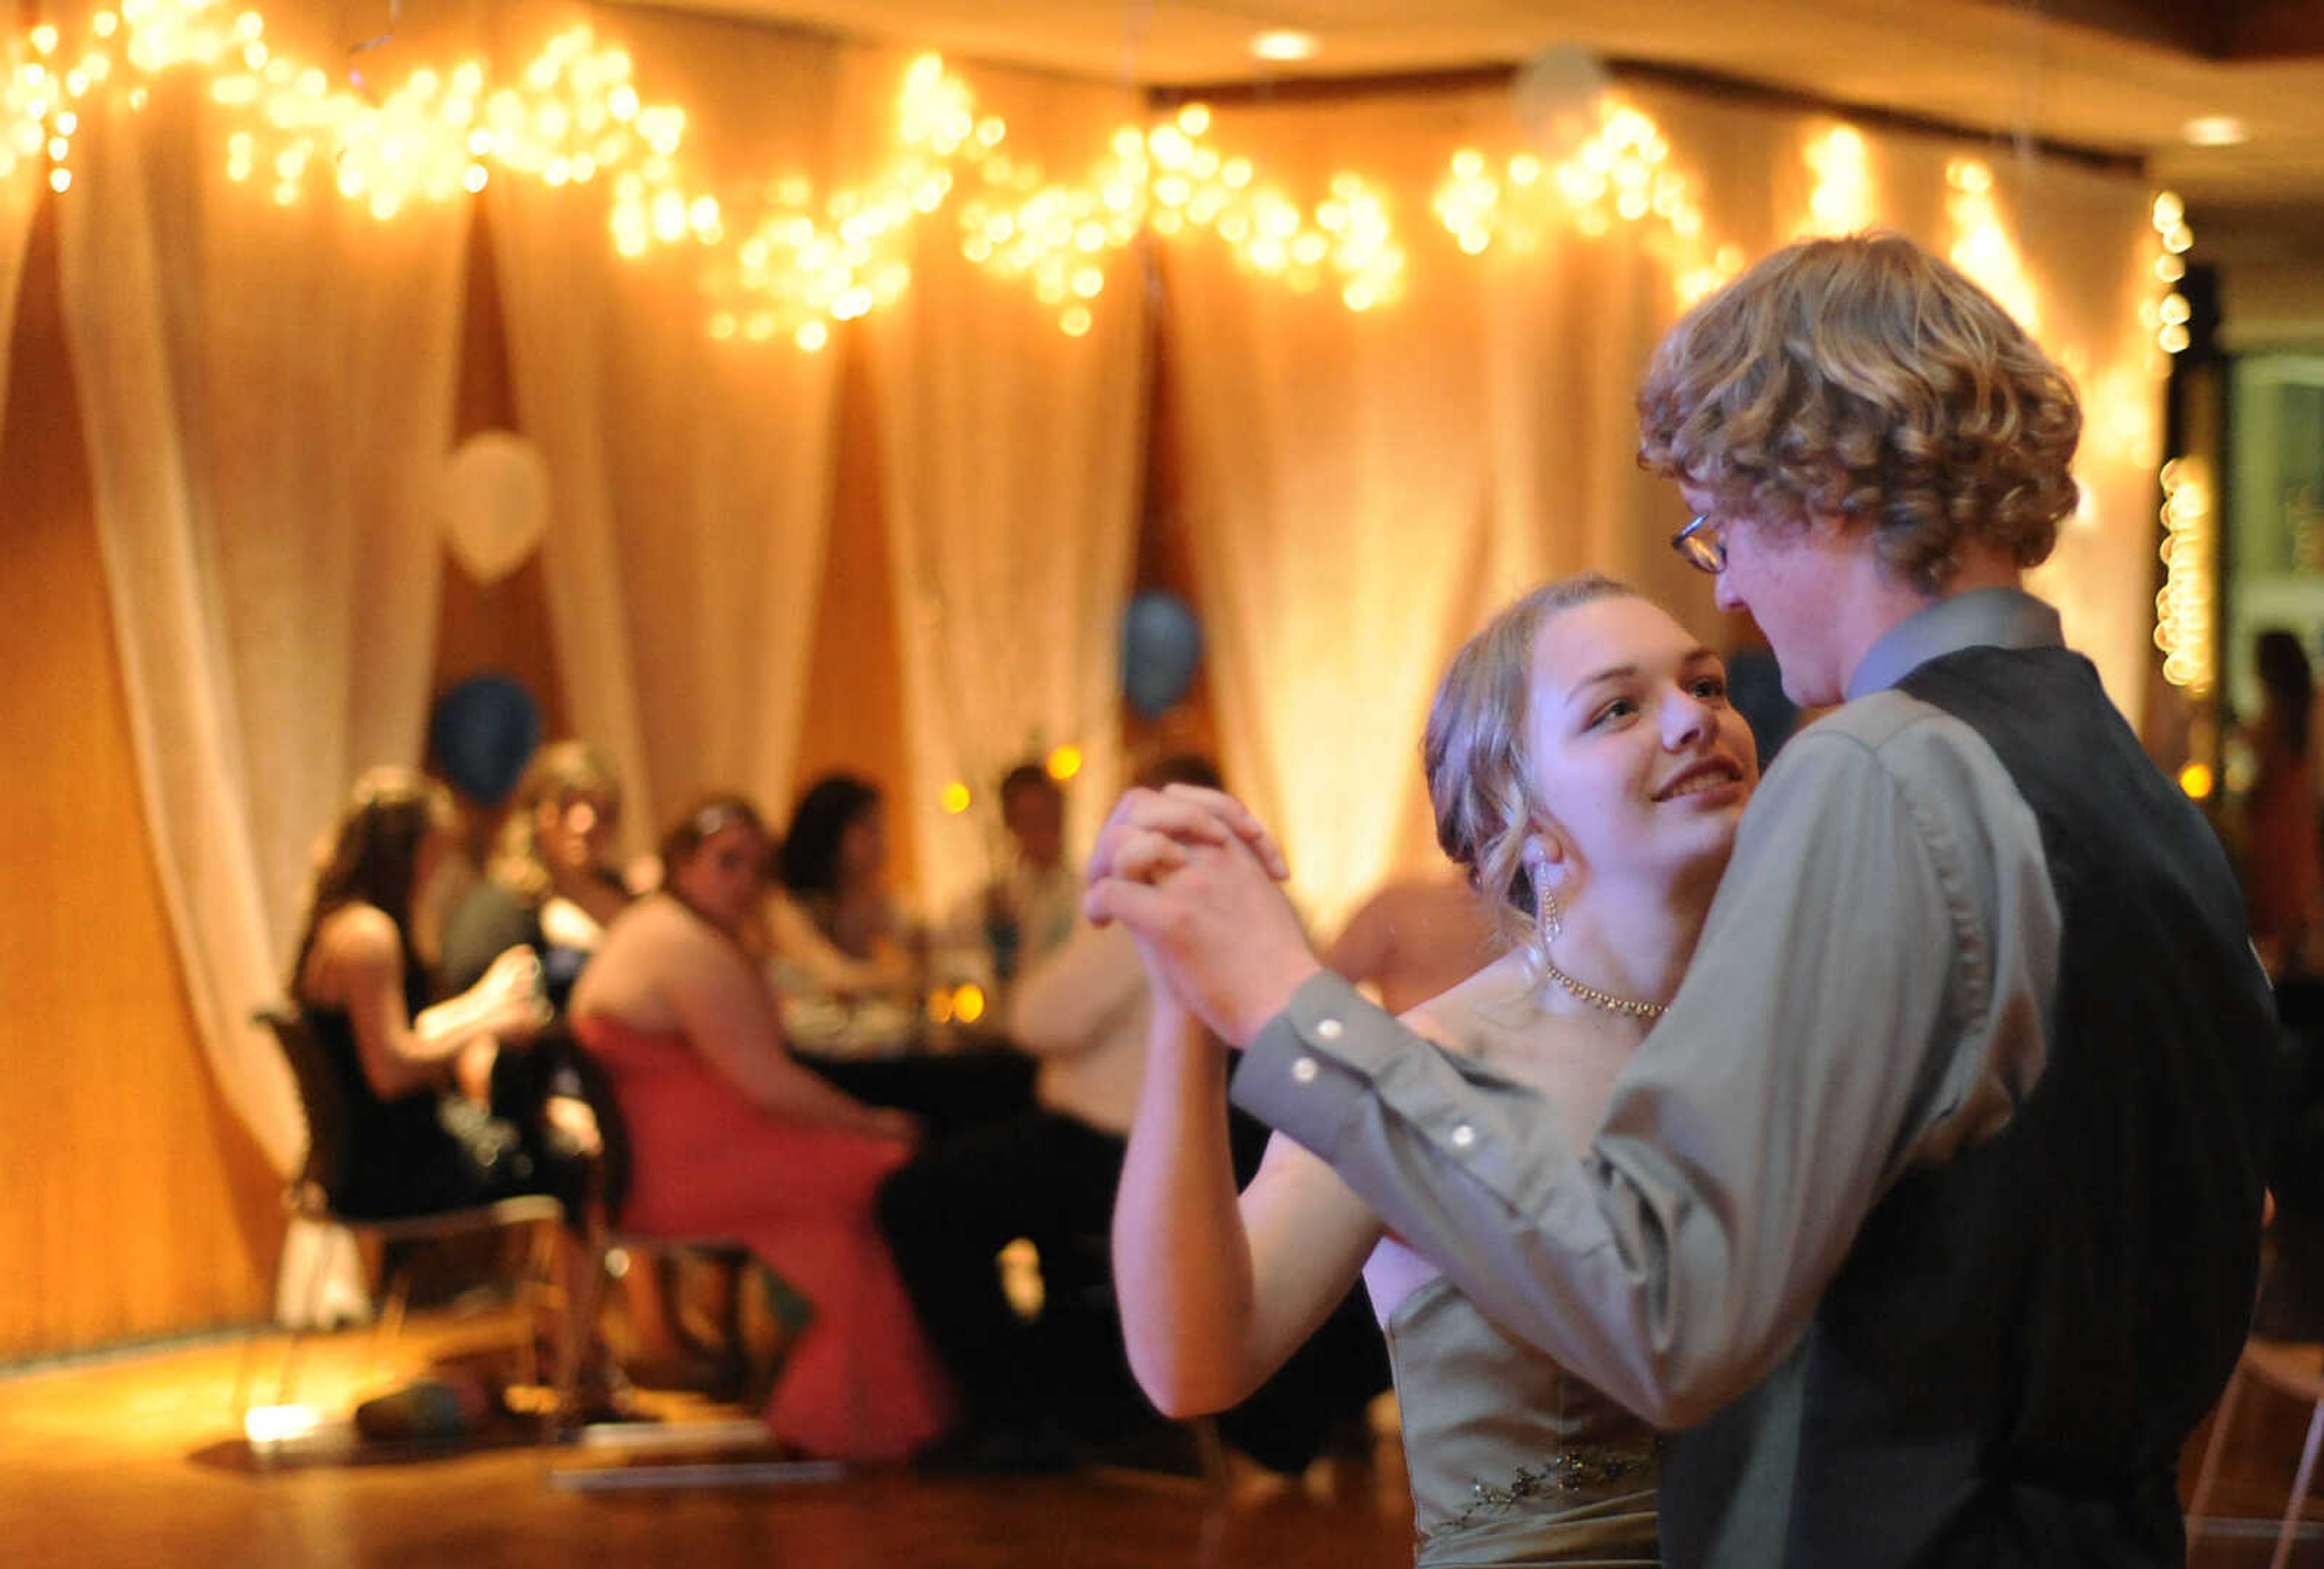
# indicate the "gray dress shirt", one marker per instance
pixel 1868 993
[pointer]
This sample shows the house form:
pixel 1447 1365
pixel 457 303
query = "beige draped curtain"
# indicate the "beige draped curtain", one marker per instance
pixel 1010 461
pixel 691 476
pixel 1363 489
pixel 1335 487
pixel 266 396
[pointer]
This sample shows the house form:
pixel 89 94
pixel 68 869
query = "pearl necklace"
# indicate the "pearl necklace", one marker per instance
pixel 1628 1007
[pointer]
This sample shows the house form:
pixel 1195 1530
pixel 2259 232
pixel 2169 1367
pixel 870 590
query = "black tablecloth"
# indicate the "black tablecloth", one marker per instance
pixel 948 1091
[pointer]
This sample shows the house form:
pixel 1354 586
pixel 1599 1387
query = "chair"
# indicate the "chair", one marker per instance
pixel 2297 1369
pixel 308 1197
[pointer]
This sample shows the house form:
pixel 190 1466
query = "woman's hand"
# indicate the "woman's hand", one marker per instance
pixel 514 993
pixel 576 1122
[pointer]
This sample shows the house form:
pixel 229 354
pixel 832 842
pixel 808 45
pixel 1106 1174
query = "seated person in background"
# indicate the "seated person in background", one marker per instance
pixel 847 962
pixel 2283 861
pixel 1021 917
pixel 1414 938
pixel 730 1137
pixel 551 885
pixel 551 888
pixel 408 1072
pixel 1034 1391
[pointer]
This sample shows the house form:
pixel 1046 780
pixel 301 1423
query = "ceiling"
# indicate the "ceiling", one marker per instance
pixel 2115 76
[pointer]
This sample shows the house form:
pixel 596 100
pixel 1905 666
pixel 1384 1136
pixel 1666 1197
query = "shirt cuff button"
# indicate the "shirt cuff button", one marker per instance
pixel 1305 1070
pixel 1463 1136
pixel 1330 1030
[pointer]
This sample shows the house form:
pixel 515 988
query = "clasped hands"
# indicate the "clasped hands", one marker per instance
pixel 1194 877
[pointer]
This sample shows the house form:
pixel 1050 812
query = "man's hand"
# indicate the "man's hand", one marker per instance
pixel 1149 832
pixel 1224 935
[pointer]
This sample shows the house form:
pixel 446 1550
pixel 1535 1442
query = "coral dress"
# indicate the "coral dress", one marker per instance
pixel 862 1383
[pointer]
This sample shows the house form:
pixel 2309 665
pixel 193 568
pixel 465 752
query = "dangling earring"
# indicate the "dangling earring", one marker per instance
pixel 1546 915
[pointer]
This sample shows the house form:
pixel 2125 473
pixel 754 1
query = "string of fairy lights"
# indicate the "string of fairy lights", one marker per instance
pixel 784 261
pixel 803 260
pixel 2184 608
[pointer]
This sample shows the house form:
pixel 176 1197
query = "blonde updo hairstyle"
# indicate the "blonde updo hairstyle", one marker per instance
pixel 1480 780
pixel 1865 380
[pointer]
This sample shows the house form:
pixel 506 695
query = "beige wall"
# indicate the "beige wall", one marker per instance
pixel 136 1205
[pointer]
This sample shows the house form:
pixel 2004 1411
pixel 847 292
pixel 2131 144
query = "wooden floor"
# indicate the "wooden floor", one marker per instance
pixel 136 1460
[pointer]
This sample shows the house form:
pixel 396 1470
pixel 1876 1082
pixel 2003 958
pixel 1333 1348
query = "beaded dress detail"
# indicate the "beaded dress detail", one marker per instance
pixel 1512 1460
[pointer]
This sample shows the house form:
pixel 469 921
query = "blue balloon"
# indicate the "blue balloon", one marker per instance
pixel 1161 646
pixel 484 731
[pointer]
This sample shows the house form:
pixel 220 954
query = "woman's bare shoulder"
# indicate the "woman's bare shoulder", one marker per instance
pixel 657 921
pixel 355 946
pixel 1460 1019
pixel 360 937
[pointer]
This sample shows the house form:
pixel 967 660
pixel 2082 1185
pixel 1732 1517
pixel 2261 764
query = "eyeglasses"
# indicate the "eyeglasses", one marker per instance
pixel 1702 545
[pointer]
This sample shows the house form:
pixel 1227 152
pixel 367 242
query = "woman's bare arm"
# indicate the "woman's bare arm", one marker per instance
pixel 358 965
pixel 1217 1289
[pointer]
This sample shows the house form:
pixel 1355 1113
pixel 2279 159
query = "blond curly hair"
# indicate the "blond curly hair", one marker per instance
pixel 1480 779
pixel 1865 380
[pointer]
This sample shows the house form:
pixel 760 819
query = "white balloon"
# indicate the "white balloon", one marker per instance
pixel 492 498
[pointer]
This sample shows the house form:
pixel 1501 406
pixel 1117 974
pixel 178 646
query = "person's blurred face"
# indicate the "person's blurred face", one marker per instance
pixel 724 877
pixel 1637 757
pixel 864 847
pixel 575 832
pixel 1036 819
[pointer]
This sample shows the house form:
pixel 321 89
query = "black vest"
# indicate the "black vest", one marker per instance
pixel 2022 1337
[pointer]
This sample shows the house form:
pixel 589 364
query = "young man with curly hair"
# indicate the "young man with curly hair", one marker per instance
pixel 1929 1210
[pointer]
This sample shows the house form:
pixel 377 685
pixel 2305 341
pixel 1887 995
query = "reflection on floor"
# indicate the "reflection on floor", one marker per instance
pixel 135 1461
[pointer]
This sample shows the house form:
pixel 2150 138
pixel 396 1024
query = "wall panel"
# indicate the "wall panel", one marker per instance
pixel 136 1205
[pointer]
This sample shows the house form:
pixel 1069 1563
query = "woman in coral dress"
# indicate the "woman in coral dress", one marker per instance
pixel 731 1137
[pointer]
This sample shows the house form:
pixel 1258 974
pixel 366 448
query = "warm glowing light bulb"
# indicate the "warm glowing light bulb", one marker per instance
pixel 2215 131
pixel 1063 762
pixel 955 798
pixel 2195 778
pixel 1284 44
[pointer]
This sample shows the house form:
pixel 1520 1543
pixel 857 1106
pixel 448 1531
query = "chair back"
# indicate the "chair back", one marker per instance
pixel 321 1097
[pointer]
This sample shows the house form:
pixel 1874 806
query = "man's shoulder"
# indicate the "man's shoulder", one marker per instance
pixel 1932 766
pixel 1889 733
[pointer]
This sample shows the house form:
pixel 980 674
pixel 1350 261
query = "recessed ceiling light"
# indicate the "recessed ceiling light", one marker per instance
pixel 1284 44
pixel 2215 131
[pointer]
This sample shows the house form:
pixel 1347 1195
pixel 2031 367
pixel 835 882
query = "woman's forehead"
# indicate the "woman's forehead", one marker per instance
pixel 1618 629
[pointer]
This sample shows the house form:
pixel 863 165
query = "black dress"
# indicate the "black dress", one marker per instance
pixel 429 1151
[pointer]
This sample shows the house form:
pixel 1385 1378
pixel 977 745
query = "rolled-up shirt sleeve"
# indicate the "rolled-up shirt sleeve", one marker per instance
pixel 1841 1018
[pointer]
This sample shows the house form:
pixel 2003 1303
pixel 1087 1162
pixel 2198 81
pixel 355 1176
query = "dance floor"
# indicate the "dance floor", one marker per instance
pixel 135 1460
